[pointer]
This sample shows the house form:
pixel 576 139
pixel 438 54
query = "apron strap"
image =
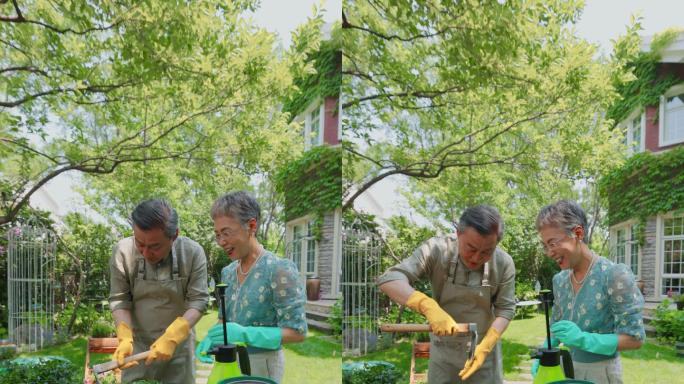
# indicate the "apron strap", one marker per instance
pixel 485 275
pixel 174 261
pixel 141 268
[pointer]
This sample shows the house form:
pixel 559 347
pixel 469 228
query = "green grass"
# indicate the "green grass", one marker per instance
pixel 653 363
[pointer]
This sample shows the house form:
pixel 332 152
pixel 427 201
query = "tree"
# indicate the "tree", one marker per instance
pixel 431 87
pixel 91 86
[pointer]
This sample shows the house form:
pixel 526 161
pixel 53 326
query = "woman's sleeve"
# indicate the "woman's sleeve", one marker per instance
pixel 289 297
pixel 626 302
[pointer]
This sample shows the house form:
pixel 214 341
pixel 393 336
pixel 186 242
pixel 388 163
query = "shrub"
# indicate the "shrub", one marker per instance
pixel 370 372
pixel 524 292
pixel 335 319
pixel 44 370
pixel 102 329
pixel 669 323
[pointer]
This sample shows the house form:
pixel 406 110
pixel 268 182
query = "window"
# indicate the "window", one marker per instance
pixel 672 116
pixel 302 248
pixel 626 247
pixel 673 262
pixel 313 122
pixel 633 133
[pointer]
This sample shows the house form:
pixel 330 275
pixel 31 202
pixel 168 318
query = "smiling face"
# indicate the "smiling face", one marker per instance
pixel 153 244
pixel 475 249
pixel 564 249
pixel 235 239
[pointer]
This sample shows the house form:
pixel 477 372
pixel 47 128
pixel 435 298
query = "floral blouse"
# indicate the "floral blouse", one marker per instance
pixel 272 294
pixel 607 302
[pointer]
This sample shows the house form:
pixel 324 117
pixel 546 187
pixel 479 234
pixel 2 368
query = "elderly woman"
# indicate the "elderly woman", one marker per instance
pixel 265 296
pixel 597 306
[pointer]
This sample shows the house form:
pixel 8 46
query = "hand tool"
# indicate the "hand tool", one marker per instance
pixel 462 329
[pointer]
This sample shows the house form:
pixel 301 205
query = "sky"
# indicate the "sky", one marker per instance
pixel 601 21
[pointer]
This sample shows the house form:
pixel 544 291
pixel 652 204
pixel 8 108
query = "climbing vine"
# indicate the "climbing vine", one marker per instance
pixel 646 87
pixel 326 82
pixel 312 184
pixel 647 184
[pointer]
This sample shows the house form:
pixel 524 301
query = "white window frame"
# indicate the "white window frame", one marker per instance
pixel 308 113
pixel 629 129
pixel 675 90
pixel 630 240
pixel 660 253
pixel 302 221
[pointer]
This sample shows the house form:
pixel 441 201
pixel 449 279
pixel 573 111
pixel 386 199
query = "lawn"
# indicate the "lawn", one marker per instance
pixel 653 363
pixel 319 354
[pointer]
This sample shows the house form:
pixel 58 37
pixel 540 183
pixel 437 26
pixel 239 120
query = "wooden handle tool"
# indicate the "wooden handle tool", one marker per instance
pixel 108 366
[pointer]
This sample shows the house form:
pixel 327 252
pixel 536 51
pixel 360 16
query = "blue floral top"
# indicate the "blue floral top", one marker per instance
pixel 607 302
pixel 272 294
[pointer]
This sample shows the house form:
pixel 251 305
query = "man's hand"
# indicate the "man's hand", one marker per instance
pixel 166 344
pixel 481 352
pixel 441 323
pixel 125 348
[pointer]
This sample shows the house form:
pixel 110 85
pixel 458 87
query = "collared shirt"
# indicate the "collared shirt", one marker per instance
pixel 271 295
pixel 431 261
pixel 192 265
pixel 607 302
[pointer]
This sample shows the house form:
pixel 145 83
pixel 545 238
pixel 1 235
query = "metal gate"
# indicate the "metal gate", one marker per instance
pixel 30 293
pixel 361 251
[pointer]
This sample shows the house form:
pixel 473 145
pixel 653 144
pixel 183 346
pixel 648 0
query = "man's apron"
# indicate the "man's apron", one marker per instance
pixel 448 354
pixel 156 304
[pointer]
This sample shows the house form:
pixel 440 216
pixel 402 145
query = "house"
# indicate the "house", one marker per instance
pixel 646 195
pixel 312 185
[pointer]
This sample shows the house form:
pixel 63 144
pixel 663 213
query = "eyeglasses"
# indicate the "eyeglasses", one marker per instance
pixel 553 244
pixel 225 234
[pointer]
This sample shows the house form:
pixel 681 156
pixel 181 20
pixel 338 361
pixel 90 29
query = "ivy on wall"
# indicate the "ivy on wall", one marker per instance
pixel 646 185
pixel 326 82
pixel 312 184
pixel 646 88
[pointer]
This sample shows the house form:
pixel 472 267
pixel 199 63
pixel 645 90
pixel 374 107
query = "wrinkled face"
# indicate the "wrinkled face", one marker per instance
pixel 561 247
pixel 475 249
pixel 233 237
pixel 153 244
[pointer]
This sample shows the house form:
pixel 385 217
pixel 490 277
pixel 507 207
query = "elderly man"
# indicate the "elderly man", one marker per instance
pixel 473 281
pixel 158 292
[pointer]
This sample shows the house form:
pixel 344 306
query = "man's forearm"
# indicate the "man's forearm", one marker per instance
pixel 120 315
pixel 192 316
pixel 500 324
pixel 397 290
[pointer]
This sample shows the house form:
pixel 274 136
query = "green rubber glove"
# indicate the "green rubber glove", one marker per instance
pixel 260 337
pixel 203 348
pixel 571 335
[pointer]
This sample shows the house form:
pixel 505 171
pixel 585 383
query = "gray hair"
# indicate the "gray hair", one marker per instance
pixel 155 213
pixel 485 219
pixel 564 214
pixel 239 205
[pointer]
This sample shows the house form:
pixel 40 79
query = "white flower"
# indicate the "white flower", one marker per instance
pixel 620 285
pixel 261 289
pixel 604 267
pixel 287 316
pixel 257 275
pixel 610 291
pixel 592 282
pixel 569 305
pixel 283 280
pixel 583 311
pixel 623 322
pixel 599 305
pixel 233 297
pixel 261 298
pixel 282 293
pixel 249 314
pixel 279 311
pixel 273 285
pixel 598 296
pixel 586 323
pixel 619 299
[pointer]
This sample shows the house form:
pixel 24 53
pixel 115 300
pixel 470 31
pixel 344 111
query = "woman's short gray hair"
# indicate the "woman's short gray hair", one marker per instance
pixel 484 219
pixel 239 205
pixel 564 214
pixel 155 213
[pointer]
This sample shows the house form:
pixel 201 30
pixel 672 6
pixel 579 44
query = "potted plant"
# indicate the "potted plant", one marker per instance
pixel 679 300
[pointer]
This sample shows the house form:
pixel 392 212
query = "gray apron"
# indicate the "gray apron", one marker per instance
pixel 448 354
pixel 156 304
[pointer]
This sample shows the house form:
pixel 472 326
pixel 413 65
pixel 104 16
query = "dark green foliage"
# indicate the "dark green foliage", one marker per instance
pixel 646 185
pixel 43 370
pixel 669 323
pixel 326 82
pixel 312 184
pixel 524 291
pixel 647 88
pixel 86 318
pixel 102 329
pixel 370 372
pixel 335 319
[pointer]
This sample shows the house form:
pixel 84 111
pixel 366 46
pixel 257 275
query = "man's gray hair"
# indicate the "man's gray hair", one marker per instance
pixel 155 213
pixel 564 214
pixel 239 205
pixel 485 219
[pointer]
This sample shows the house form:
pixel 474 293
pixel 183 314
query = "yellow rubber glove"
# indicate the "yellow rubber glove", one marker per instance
pixel 125 348
pixel 483 349
pixel 165 345
pixel 441 323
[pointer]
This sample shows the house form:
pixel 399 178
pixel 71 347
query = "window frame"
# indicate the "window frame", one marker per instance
pixel 673 91
pixel 629 228
pixel 306 222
